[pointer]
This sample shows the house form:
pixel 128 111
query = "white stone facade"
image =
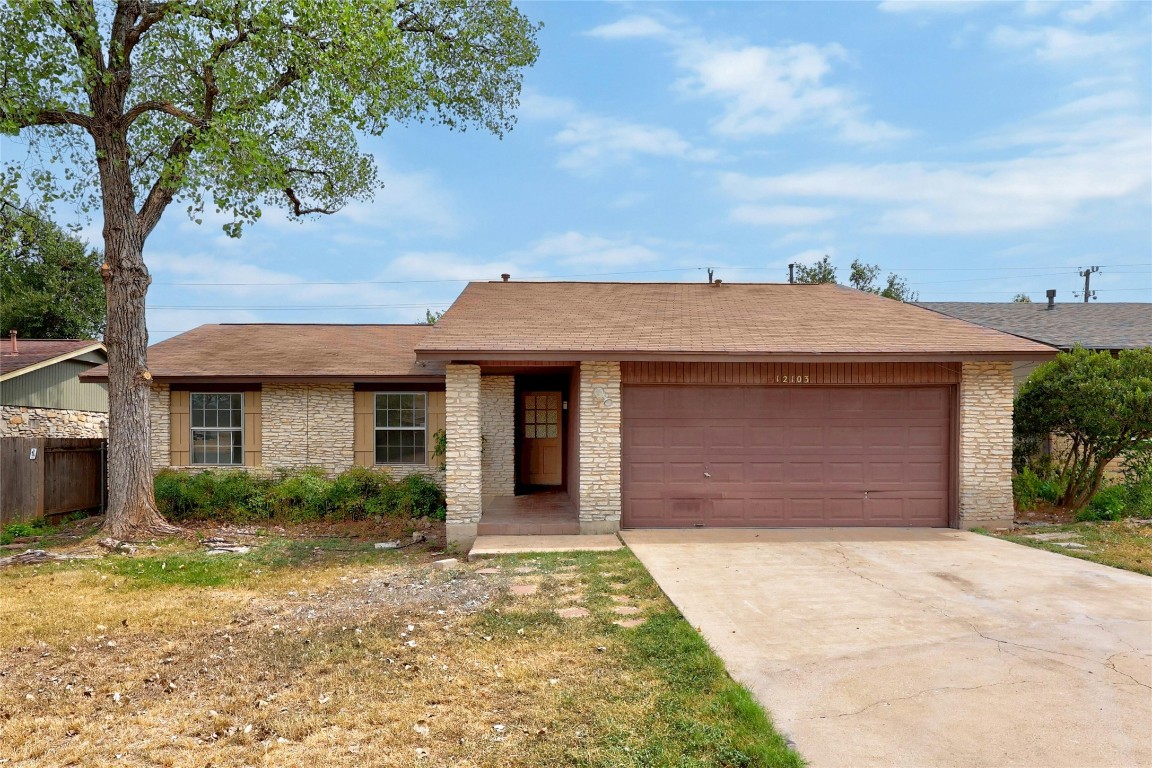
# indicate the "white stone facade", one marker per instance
pixel 498 428
pixel 598 494
pixel 307 425
pixel 26 421
pixel 464 473
pixel 986 391
pixel 159 414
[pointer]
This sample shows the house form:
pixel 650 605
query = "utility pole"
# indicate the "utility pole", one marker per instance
pixel 791 274
pixel 1087 275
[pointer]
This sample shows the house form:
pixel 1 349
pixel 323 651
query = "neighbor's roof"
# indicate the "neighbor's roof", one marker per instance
pixel 287 351
pixel 37 353
pixel 1095 326
pixel 635 321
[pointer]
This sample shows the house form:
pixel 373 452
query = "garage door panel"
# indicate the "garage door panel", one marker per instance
pixel 786 456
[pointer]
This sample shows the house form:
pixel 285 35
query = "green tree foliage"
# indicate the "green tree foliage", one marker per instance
pixel 1022 298
pixel 863 277
pixel 130 105
pixel 1099 404
pixel 50 284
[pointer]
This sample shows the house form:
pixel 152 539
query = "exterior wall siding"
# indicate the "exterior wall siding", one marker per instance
pixel 25 421
pixel 464 473
pixel 599 429
pixel 985 428
pixel 56 386
pixel 498 431
pixel 300 425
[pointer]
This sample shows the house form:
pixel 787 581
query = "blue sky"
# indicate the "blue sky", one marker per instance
pixel 978 149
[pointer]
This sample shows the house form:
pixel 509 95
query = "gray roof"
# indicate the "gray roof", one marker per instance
pixel 1111 325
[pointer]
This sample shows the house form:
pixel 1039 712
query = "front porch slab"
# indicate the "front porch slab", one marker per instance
pixel 488 546
pixel 549 513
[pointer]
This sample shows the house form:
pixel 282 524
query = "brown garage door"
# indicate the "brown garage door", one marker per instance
pixel 785 457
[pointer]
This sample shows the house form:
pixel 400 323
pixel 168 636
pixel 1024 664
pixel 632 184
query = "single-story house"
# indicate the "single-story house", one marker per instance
pixel 1111 327
pixel 585 407
pixel 41 394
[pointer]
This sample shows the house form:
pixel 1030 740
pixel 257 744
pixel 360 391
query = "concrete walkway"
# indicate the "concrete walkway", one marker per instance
pixel 937 648
pixel 487 546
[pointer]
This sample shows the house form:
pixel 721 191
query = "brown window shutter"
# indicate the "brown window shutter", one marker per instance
pixel 253 429
pixel 179 428
pixel 436 411
pixel 364 429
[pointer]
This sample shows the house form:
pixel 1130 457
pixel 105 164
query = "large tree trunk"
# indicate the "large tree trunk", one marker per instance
pixel 132 512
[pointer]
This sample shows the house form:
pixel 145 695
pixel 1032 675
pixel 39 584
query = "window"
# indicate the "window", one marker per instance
pixel 217 428
pixel 401 427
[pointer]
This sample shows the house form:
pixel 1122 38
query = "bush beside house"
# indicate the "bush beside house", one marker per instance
pixel 300 496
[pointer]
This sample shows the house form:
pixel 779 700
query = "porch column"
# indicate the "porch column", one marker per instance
pixel 463 485
pixel 498 425
pixel 985 445
pixel 599 416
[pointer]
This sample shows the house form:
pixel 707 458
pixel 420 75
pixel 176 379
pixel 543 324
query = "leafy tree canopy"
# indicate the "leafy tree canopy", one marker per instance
pixel 1022 298
pixel 863 277
pixel 130 105
pixel 1101 405
pixel 50 284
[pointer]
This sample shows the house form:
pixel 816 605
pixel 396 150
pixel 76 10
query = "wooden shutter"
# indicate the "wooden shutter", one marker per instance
pixel 436 411
pixel 253 429
pixel 179 428
pixel 364 429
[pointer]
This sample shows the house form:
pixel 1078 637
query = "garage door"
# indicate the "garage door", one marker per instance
pixel 785 457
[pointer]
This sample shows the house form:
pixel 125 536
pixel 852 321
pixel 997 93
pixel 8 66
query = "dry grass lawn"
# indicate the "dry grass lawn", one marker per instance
pixel 319 653
pixel 1123 544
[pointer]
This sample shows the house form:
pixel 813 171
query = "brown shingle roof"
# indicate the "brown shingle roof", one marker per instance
pixel 1110 325
pixel 652 320
pixel 275 351
pixel 32 351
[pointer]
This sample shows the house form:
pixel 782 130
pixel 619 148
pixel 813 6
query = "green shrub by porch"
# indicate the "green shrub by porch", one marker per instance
pixel 302 496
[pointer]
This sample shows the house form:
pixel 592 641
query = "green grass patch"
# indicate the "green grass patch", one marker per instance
pixel 1124 544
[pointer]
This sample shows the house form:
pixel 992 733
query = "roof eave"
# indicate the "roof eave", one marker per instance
pixel 96 345
pixel 176 378
pixel 739 357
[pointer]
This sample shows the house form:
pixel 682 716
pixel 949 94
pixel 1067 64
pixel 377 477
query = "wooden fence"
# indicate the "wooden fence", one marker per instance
pixel 41 477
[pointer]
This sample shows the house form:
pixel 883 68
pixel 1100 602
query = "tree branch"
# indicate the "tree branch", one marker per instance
pixel 51 117
pixel 298 208
pixel 166 107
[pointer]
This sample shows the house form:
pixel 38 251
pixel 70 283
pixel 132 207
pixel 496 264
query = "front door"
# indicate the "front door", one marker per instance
pixel 542 453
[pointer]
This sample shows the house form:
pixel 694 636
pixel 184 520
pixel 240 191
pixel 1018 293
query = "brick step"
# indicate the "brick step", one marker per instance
pixel 528 528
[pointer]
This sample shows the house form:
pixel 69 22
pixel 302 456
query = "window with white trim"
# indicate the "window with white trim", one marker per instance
pixel 217 420
pixel 401 427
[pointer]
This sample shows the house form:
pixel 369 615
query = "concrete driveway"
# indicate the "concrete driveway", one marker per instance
pixel 936 648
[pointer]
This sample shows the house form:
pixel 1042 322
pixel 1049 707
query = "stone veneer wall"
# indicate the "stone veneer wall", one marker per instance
pixel 307 425
pixel 463 477
pixel 161 418
pixel 26 421
pixel 986 391
pixel 498 427
pixel 599 407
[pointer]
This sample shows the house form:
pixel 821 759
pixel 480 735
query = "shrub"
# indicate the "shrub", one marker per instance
pixel 20 529
pixel 295 496
pixel 1030 487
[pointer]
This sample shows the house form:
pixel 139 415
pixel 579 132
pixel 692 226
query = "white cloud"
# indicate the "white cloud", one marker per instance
pixel 578 249
pixel 1027 193
pixel 1057 44
pixel 781 215
pixel 1083 14
pixel 446 265
pixel 591 142
pixel 631 27
pixel 761 89
pixel 944 7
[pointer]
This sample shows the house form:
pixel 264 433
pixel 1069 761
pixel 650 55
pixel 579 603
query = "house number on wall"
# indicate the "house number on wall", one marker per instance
pixel 791 379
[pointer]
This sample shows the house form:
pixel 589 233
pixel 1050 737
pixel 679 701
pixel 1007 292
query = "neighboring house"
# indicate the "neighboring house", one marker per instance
pixel 1110 327
pixel 41 394
pixel 584 407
